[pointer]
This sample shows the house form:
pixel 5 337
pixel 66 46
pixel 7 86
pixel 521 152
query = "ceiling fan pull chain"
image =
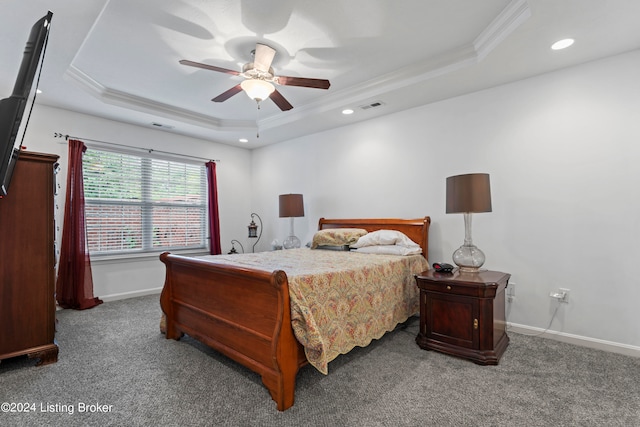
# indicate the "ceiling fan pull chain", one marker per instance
pixel 257 119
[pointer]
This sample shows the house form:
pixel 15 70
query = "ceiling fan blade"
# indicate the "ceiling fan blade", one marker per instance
pixel 209 67
pixel 263 57
pixel 227 94
pixel 304 82
pixel 280 101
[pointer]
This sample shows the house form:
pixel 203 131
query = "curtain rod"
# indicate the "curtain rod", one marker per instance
pixel 148 150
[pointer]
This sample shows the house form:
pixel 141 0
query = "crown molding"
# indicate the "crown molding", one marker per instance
pixel 511 17
pixel 145 105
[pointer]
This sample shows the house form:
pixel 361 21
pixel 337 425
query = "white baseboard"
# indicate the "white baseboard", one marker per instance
pixel 613 347
pixel 132 294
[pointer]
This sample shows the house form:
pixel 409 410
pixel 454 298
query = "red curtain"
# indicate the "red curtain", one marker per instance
pixel 74 286
pixel 214 220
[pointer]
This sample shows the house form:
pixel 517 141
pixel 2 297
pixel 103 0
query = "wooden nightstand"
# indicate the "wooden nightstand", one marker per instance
pixel 463 314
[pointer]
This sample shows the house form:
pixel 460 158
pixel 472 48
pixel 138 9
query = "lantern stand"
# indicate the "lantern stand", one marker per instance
pixel 233 248
pixel 253 230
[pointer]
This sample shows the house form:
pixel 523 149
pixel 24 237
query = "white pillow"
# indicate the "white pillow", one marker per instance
pixel 385 237
pixel 389 250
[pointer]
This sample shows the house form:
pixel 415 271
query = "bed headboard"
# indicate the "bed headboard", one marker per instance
pixel 416 229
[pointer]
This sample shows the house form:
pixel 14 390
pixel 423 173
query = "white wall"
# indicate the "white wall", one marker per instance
pixel 136 276
pixel 563 152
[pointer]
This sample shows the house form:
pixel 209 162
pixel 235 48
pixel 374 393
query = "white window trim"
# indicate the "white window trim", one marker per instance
pixel 140 255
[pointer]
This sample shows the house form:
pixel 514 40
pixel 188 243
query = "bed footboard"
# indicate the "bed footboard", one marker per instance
pixel 243 313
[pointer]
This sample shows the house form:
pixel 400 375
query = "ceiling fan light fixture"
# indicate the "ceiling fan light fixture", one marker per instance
pixel 256 89
pixel 260 78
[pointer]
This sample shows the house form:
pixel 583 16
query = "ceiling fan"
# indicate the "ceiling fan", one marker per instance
pixel 259 79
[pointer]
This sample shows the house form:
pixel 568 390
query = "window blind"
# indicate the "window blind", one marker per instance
pixel 143 204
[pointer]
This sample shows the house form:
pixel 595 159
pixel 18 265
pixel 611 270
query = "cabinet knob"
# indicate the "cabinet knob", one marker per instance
pixel 448 287
pixel 475 323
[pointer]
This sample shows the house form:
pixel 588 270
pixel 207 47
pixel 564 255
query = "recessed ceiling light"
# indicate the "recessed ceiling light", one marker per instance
pixel 347 111
pixel 243 140
pixel 38 91
pixel 562 44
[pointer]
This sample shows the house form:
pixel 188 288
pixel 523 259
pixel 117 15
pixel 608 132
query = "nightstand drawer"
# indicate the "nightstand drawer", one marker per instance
pixel 450 288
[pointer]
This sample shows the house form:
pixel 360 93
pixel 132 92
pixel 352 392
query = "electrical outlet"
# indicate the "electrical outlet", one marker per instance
pixel 562 295
pixel 511 292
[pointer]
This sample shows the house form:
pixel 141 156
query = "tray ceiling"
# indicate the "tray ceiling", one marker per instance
pixel 118 59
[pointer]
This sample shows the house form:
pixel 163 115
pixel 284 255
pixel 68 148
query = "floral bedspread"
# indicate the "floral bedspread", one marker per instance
pixel 341 299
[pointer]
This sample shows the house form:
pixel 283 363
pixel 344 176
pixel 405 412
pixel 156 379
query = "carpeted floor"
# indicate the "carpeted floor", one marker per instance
pixel 115 368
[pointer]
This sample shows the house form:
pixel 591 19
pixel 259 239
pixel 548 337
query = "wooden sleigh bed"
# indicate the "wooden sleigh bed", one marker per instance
pixel 245 313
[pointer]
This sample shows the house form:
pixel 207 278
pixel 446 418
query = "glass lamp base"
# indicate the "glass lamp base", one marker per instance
pixel 468 258
pixel 291 242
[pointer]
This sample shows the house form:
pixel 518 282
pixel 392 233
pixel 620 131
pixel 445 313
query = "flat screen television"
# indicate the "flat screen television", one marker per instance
pixel 16 109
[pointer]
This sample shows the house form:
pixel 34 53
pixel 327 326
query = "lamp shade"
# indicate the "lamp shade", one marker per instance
pixel 258 90
pixel 291 205
pixel 468 193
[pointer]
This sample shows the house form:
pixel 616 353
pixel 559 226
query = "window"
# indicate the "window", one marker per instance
pixel 142 204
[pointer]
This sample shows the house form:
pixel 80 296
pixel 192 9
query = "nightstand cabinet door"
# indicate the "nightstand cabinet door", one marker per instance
pixel 451 319
pixel 463 314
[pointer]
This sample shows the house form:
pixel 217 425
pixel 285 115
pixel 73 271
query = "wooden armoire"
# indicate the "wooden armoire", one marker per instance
pixel 27 261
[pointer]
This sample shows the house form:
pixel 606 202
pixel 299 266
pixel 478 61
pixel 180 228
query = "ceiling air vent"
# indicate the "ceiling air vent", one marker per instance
pixel 160 125
pixel 372 105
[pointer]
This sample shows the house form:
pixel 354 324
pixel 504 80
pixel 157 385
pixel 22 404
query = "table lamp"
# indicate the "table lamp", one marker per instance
pixel 291 206
pixel 467 194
